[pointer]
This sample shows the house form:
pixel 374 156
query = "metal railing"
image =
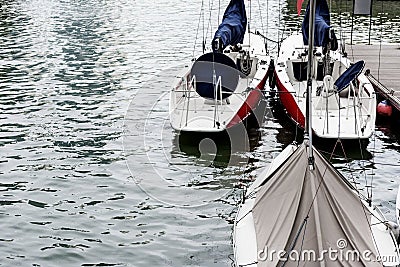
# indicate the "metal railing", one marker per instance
pixel 188 90
pixel 359 100
pixel 217 92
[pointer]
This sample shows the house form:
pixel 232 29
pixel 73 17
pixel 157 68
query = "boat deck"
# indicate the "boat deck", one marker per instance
pixel 384 65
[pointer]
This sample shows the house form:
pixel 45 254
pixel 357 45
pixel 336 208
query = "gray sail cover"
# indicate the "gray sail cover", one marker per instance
pixel 336 214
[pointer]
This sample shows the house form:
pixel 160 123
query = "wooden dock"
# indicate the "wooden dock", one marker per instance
pixel 384 65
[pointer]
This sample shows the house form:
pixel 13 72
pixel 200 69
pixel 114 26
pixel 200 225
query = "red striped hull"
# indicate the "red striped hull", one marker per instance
pixel 250 105
pixel 289 103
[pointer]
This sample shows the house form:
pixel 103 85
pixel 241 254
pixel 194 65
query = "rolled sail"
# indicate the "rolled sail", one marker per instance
pixel 233 26
pixel 322 26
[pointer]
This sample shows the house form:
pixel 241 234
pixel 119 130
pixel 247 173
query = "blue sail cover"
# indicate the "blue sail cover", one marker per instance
pixel 349 75
pixel 322 24
pixel 233 26
pixel 219 65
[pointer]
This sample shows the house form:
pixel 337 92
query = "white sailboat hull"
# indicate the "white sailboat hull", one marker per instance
pixel 244 233
pixel 189 112
pixel 348 115
pixel 245 247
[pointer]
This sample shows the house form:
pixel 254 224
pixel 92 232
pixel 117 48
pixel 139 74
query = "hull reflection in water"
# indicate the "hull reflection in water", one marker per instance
pixel 221 149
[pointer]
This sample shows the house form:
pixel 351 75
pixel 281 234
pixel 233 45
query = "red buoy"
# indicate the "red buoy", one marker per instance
pixel 384 109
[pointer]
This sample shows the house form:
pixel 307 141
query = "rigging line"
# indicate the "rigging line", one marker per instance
pixel 284 26
pixel 248 264
pixel 346 158
pixel 219 9
pixel 202 7
pixel 339 124
pixel 297 114
pixel 262 24
pixel 244 216
pixel 215 90
pixel 348 162
pixel 342 39
pixel 302 241
pixel 359 142
pixel 363 206
pixel 262 27
pixel 267 18
pixel 359 197
pixel 332 154
pixel 266 38
pixel 373 161
pixel 304 224
pixel 338 141
pixel 370 227
pixel 347 9
pixel 279 23
pixel 283 34
pixel 334 148
pixel 273 48
pixel 360 145
pixel 369 194
pixel 341 30
pixel 368 221
pixel 351 32
pixel 312 203
pixel 322 179
pixel 198 27
pixel 249 22
pixel 209 24
pixel 380 40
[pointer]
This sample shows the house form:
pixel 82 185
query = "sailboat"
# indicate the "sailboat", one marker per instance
pixel 223 87
pixel 302 212
pixel 344 102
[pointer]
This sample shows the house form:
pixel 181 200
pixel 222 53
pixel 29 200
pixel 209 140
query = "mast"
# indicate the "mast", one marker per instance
pixel 308 122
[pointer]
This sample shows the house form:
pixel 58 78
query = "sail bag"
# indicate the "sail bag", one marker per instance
pixel 300 210
pixel 233 26
pixel 322 33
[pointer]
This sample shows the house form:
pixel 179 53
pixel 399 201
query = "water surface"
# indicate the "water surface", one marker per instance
pixel 91 173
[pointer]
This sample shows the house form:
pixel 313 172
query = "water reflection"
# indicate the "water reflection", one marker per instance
pixel 68 71
pixel 210 151
pixel 218 150
pixel 385 21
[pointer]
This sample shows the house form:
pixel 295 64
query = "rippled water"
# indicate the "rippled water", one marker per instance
pixel 91 172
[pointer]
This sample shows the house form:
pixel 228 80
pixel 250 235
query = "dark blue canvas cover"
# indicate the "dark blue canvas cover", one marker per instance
pixel 349 75
pixel 211 66
pixel 233 26
pixel 322 25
